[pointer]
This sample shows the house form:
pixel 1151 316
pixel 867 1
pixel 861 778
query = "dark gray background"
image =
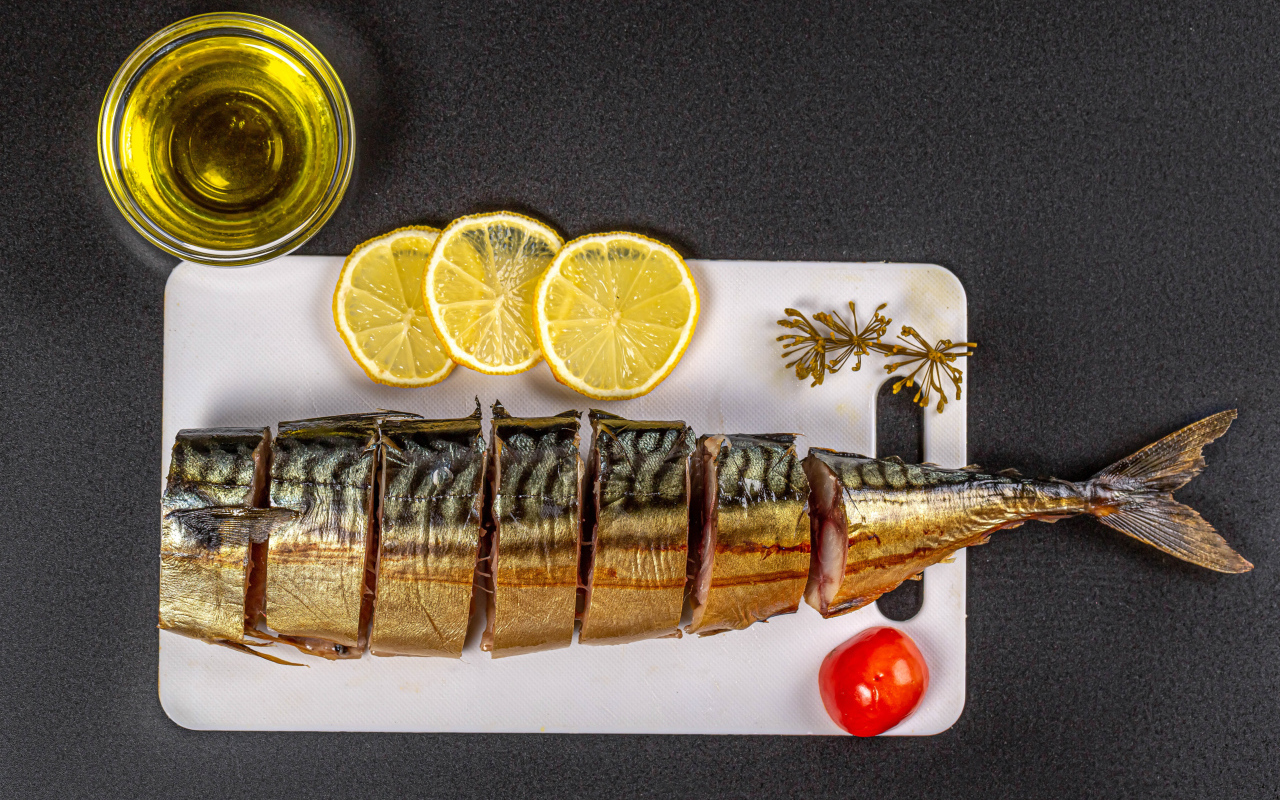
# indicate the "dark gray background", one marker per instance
pixel 1102 178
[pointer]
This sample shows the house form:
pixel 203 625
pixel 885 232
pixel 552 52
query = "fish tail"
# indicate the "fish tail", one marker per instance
pixel 1135 496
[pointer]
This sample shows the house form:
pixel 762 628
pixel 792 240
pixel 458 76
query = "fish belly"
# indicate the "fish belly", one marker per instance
pixel 640 542
pixel 754 548
pixel 537 531
pixel 432 481
pixel 205 588
pixel 324 471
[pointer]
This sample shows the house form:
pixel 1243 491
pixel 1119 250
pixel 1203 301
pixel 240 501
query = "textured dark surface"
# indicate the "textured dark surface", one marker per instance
pixel 1102 178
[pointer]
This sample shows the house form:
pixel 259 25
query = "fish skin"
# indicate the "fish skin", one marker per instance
pixel 754 562
pixel 903 518
pixel 325 470
pixel 432 483
pixel 205 566
pixel 537 477
pixel 640 545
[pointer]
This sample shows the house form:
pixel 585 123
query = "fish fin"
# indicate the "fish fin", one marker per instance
pixel 315 647
pixel 894 460
pixel 850 605
pixel 1171 462
pixel 245 649
pixel 1168 525
pixel 392 414
pixel 1009 473
pixel 972 468
pixel 342 420
pixel 211 526
pixel 1134 496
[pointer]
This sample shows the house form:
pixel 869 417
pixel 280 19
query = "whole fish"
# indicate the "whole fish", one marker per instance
pixel 878 522
pixel 375 528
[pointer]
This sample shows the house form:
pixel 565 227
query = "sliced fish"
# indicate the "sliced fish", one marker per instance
pixel 446 504
pixel 213 535
pixel 639 546
pixel 537 478
pixel 753 553
pixel 432 482
pixel 319 569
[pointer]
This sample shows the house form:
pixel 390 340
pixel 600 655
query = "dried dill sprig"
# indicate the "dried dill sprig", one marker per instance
pixel 934 361
pixel 849 341
pixel 809 347
pixel 817 354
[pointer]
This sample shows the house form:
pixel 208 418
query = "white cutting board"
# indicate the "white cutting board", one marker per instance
pixel 254 346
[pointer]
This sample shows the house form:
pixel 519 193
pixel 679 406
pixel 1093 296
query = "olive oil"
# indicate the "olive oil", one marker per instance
pixel 228 142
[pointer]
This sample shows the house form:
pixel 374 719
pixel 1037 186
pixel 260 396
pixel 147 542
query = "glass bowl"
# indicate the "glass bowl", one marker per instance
pixel 226 139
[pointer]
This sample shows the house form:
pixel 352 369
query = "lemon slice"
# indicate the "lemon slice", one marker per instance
pixel 479 289
pixel 614 313
pixel 379 312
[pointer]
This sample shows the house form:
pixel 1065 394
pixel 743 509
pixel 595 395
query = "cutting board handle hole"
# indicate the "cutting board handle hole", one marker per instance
pixel 900 432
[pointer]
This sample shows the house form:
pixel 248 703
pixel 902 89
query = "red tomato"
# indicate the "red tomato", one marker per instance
pixel 873 681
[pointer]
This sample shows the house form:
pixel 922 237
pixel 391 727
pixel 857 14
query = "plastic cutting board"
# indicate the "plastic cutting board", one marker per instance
pixel 254 346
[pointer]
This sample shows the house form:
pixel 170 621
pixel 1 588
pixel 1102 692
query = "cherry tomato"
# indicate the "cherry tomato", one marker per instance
pixel 873 681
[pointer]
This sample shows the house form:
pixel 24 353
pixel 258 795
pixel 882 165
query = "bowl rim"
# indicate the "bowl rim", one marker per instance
pixel 196 27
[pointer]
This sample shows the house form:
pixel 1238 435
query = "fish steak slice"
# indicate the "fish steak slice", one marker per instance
pixel 753 551
pixel 324 469
pixel 211 534
pixel 537 478
pixel 432 483
pixel 639 545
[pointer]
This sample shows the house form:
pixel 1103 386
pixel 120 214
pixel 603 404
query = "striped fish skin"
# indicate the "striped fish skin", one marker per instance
pixel 754 548
pixel 899 518
pixel 432 482
pixel 325 470
pixel 640 542
pixel 205 566
pixel 537 478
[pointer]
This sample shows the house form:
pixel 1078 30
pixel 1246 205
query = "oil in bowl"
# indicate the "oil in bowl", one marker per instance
pixel 226 139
